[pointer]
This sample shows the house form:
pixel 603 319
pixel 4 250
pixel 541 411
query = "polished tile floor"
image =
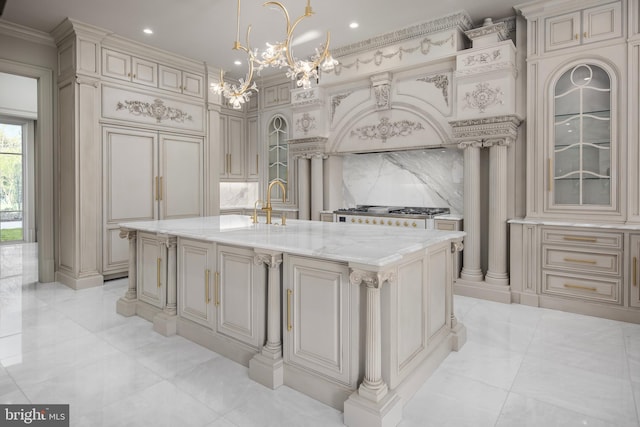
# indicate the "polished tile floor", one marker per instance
pixel 521 366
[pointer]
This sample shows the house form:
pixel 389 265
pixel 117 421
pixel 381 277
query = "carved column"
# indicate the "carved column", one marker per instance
pixel 126 305
pixel 304 207
pixel 267 366
pixel 471 269
pixel 171 308
pixel 317 186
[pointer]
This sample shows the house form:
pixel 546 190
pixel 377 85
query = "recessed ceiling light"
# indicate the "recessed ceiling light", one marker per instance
pixel 147 31
pixel 237 62
pixel 354 25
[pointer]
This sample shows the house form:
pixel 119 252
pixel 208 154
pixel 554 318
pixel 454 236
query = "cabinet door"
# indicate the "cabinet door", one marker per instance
pixel 181 177
pixel 253 148
pixel 602 22
pixel 144 72
pixel 130 167
pixel 634 273
pixel 116 65
pixel 240 296
pixel 224 141
pixel 276 95
pixel 317 316
pixel 151 270
pixel 192 84
pixel 195 280
pixel 169 78
pixel 236 147
pixel 562 31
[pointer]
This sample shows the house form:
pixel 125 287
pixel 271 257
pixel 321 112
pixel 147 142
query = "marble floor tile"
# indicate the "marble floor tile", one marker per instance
pixel 586 392
pixel 135 333
pixel 523 411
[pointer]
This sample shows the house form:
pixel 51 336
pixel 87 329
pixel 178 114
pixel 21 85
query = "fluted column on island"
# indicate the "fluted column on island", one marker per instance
pixel 126 306
pixel 303 188
pixel 171 308
pixel 497 269
pixel 317 185
pixel 471 269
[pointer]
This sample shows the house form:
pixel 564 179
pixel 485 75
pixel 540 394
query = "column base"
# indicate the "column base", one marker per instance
pixel 266 371
pixel 482 290
pixel 165 324
pixel 77 283
pixel 361 412
pixel 126 307
pixel 500 279
pixel 471 275
pixel 458 336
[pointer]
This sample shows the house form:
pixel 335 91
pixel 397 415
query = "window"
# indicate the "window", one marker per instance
pixel 278 155
pixel 11 182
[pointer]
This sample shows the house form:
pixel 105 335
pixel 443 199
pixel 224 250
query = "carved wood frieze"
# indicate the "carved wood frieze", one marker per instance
pixel 306 123
pixel 482 58
pixel 157 110
pixel 382 93
pixel 386 129
pixel 336 100
pixel 441 81
pixel 483 97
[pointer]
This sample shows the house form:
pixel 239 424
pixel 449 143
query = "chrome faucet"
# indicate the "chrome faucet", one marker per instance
pixel 267 208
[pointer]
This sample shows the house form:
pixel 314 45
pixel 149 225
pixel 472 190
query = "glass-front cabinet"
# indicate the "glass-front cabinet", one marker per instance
pixel 581 172
pixel 278 155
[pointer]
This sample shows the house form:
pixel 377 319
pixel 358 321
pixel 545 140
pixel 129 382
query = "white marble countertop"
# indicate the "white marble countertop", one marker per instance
pixel 450 216
pixel 274 208
pixel 557 223
pixel 356 244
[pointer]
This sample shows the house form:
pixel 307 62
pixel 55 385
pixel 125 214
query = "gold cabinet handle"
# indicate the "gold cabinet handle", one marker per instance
pixel 159 268
pixel 289 324
pixel 581 261
pixel 128 74
pixel 635 271
pixel 156 188
pixel 550 173
pixel 206 286
pixel 160 191
pixel 584 288
pixel 576 36
pixel 580 239
pixel 217 290
pixel 584 34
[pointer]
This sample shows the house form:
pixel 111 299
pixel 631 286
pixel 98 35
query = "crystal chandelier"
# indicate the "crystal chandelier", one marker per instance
pixel 277 55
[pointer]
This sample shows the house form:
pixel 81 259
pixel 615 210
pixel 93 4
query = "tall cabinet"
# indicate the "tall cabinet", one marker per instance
pixel 574 250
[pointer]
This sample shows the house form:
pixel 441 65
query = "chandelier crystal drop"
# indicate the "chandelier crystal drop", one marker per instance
pixel 276 55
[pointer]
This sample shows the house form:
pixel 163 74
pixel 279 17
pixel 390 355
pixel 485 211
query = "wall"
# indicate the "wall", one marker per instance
pixel 429 178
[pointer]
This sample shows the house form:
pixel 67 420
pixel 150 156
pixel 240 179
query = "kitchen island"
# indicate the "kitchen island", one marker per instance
pixel 354 316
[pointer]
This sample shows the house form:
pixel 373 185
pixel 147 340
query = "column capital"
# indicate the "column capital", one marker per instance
pixel 307 148
pixel 372 279
pixel 486 130
pixel 271 260
pixel 127 233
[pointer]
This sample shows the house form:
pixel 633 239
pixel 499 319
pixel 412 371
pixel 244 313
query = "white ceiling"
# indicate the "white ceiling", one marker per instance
pixel 205 29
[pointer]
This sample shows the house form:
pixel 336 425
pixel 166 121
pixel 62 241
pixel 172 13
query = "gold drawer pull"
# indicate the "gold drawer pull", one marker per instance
pixel 156 188
pixel 160 195
pixel 584 288
pixel 158 273
pixel 206 286
pixel 289 324
pixel 581 239
pixel 581 261
pixel 217 290
pixel 635 271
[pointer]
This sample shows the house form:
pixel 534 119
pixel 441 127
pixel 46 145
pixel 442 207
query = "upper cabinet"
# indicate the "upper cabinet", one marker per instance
pixel 584 26
pixel 181 81
pixel 130 68
pixel 276 95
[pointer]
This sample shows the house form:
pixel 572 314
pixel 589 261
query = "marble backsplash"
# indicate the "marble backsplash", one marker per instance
pixel 238 194
pixel 429 178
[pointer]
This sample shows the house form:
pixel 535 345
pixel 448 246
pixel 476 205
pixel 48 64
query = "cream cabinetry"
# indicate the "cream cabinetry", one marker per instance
pixel 221 288
pixel 179 81
pixel 147 175
pixel 588 25
pixel 253 148
pixel 320 302
pixel 129 68
pixel 152 270
pixel 232 148
pixel 276 95
pixel 634 274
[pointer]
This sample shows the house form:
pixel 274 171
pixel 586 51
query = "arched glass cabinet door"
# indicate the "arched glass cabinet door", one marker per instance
pixel 582 144
pixel 278 156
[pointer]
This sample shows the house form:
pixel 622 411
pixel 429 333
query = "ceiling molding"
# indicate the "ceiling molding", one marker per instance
pixel 25 33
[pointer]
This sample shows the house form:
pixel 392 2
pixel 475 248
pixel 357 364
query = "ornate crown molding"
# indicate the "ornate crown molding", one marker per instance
pixel 25 33
pixel 507 65
pixel 306 148
pixel 501 29
pixel 441 81
pixel 157 109
pixel 485 132
pixel 386 129
pixel 460 20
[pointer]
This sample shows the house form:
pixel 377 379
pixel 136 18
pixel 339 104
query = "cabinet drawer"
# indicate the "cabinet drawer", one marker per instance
pixel 570 258
pixel 570 285
pixel 585 238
